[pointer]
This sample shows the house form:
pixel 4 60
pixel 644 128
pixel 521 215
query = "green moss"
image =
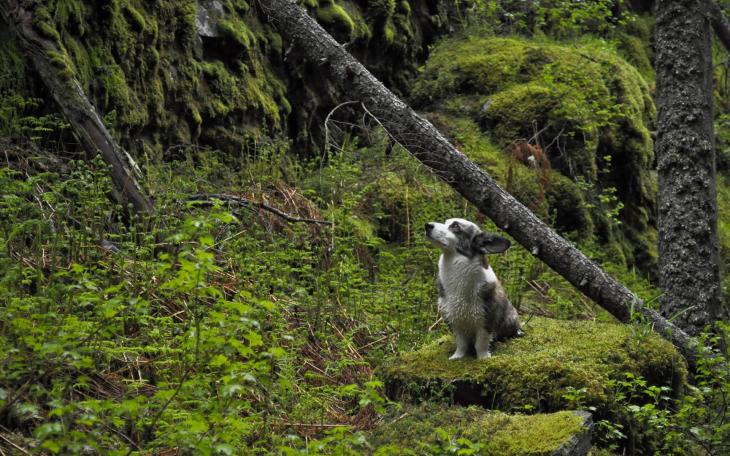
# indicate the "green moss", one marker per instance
pixel 336 19
pixel 48 30
pixel 535 371
pixel 404 7
pixel 581 103
pixel 723 225
pixel 12 65
pixel 81 62
pixel 389 32
pixel 571 213
pixel 634 42
pixel 470 66
pixel 144 63
pixel 384 8
pixel 238 32
pixel 69 14
pixel 428 428
pixel 507 111
pixel 135 18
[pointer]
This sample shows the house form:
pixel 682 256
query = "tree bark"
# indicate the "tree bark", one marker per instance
pixel 80 113
pixel 719 21
pixel 689 258
pixel 432 149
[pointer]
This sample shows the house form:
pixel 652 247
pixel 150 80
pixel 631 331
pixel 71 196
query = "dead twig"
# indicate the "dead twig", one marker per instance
pixel 208 200
pixel 11 443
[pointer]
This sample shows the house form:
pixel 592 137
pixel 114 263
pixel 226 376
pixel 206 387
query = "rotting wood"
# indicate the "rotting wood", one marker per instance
pixel 76 107
pixel 425 143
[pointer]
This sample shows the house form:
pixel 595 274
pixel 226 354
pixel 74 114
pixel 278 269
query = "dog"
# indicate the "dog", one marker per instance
pixel 471 299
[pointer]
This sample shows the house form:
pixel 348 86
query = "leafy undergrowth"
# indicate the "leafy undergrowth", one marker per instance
pixel 225 330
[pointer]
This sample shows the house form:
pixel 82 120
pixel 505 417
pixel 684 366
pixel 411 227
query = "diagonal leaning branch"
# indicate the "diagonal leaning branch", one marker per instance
pixel 433 150
pixel 52 66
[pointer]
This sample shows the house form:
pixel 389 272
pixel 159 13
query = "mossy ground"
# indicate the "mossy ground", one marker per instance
pixel 429 428
pixel 535 372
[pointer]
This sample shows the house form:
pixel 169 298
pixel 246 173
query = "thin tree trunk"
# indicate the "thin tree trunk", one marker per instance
pixel 432 149
pixel 80 113
pixel 689 256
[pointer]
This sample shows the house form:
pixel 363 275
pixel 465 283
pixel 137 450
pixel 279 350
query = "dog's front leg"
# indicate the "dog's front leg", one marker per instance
pixel 462 345
pixel 482 343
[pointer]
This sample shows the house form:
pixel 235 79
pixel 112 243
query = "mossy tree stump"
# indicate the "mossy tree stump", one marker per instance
pixel 557 365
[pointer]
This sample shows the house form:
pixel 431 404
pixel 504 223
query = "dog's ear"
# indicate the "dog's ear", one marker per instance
pixel 489 243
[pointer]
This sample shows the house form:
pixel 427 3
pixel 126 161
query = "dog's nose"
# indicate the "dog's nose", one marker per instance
pixel 429 227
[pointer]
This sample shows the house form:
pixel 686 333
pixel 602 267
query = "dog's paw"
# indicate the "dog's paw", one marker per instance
pixel 457 355
pixel 484 355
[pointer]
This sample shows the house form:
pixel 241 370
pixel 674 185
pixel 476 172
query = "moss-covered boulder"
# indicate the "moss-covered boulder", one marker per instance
pixel 589 109
pixel 557 365
pixel 434 429
pixel 212 73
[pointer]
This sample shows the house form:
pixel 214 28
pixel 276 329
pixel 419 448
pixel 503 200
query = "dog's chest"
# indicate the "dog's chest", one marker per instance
pixel 462 278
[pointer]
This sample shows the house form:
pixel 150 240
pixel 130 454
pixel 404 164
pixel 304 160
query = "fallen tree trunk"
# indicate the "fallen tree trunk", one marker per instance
pixel 54 69
pixel 432 149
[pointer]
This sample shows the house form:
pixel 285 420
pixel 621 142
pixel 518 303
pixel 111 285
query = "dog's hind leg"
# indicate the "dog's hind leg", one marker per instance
pixel 462 345
pixel 482 343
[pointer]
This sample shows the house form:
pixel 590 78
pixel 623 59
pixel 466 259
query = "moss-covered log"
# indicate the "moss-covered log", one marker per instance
pixel 436 152
pixel 54 69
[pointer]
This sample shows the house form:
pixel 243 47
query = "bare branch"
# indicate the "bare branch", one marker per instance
pixel 208 199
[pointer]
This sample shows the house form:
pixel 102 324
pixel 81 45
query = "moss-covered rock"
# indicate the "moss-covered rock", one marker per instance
pixel 587 107
pixel 538 371
pixel 634 43
pixel 433 429
pixel 158 73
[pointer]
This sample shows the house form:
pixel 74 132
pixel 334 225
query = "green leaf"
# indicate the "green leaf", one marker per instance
pixel 254 339
pixel 218 361
pixel 45 430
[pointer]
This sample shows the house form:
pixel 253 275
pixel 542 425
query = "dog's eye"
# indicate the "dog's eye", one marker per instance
pixel 455 227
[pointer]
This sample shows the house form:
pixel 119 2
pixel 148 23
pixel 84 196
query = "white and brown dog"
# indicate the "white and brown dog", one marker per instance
pixel 471 299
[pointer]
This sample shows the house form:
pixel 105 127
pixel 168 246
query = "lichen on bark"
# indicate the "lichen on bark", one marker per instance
pixel 688 239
